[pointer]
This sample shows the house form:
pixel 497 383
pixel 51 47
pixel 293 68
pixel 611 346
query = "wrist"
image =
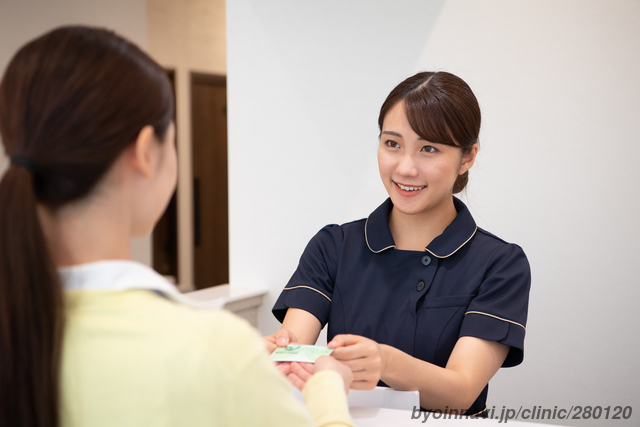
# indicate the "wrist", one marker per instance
pixel 386 356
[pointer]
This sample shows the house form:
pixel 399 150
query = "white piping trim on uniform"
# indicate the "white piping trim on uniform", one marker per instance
pixel 446 256
pixel 308 287
pixel 496 317
pixel 479 412
pixel 367 240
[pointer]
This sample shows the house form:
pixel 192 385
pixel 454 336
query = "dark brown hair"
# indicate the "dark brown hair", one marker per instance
pixel 441 108
pixel 70 102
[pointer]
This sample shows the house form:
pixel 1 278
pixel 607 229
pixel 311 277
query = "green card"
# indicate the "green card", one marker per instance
pixel 300 353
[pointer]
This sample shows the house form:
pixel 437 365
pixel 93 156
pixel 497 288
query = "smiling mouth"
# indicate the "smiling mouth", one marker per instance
pixel 407 188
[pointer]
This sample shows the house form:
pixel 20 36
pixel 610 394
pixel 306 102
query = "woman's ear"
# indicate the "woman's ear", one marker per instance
pixel 468 159
pixel 142 154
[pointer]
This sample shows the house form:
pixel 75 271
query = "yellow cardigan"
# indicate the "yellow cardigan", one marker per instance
pixel 134 358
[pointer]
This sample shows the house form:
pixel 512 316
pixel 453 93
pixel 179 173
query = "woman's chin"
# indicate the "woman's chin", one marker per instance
pixel 408 207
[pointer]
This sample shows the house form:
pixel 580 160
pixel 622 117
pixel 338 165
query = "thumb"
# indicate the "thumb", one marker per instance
pixel 284 337
pixel 342 341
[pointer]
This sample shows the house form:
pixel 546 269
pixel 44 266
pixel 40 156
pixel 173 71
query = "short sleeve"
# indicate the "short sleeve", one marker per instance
pixel 499 311
pixel 311 286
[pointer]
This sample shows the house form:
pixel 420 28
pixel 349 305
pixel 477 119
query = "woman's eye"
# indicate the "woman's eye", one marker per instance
pixel 429 149
pixel 391 143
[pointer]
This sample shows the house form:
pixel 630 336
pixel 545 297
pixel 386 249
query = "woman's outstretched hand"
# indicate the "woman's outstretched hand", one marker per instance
pixel 363 356
pixel 301 372
pixel 282 338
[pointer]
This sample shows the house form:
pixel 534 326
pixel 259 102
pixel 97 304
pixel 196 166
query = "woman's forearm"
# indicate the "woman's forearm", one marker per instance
pixel 471 365
pixel 304 325
pixel 439 387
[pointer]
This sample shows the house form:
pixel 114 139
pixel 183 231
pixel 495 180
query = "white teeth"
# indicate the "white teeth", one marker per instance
pixel 405 188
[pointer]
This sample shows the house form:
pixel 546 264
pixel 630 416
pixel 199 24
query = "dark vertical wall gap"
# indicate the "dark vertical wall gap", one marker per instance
pixel 211 217
pixel 165 234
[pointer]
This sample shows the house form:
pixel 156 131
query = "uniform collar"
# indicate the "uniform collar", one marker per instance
pixel 456 235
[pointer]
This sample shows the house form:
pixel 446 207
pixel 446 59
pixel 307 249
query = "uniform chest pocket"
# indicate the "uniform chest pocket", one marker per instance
pixel 449 301
pixel 438 327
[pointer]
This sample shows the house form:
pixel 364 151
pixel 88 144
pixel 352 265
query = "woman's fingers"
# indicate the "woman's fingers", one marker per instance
pixel 283 367
pixel 297 382
pixel 284 337
pixel 302 370
pixel 353 352
pixel 300 374
pixel 344 340
pixel 364 372
pixel 357 365
pixel 270 343
pixel 362 355
pixel 349 347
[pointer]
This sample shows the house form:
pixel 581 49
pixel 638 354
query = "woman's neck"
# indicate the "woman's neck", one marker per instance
pixel 415 232
pixel 86 232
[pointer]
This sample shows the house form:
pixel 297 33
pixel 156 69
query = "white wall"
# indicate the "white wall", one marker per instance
pixel 23 20
pixel 558 86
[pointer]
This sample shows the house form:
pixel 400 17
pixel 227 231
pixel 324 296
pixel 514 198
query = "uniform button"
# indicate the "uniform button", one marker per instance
pixel 426 260
pixel 420 286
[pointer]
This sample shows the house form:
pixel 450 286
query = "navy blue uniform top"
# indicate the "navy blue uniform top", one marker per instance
pixel 467 282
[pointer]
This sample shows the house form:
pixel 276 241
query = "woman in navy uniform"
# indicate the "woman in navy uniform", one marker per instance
pixel 416 296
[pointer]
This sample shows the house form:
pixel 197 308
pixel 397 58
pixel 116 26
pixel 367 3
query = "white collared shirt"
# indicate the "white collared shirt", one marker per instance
pixel 122 275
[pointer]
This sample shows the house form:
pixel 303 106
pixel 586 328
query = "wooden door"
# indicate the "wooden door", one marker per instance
pixel 210 198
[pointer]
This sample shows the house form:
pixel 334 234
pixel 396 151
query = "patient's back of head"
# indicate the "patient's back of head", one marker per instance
pixel 71 101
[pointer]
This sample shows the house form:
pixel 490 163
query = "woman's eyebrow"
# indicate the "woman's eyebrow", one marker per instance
pixel 389 132
pixel 392 133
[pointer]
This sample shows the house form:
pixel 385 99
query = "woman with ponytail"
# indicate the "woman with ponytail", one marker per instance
pixel 87 336
pixel 416 296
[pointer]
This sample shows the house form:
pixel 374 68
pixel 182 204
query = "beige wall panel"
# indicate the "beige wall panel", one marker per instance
pixel 187 36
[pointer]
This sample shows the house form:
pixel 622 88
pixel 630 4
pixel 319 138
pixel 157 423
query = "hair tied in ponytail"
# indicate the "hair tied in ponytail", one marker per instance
pixel 26 162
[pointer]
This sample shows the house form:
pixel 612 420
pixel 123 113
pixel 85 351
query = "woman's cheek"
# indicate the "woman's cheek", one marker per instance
pixel 385 165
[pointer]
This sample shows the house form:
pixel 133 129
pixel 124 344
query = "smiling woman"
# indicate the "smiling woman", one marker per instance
pixel 428 143
pixel 442 109
pixel 416 296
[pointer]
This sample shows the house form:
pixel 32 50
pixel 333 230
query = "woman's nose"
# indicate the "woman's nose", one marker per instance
pixel 407 166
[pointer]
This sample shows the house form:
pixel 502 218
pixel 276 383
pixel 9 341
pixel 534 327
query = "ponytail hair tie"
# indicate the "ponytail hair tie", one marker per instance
pixel 26 162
